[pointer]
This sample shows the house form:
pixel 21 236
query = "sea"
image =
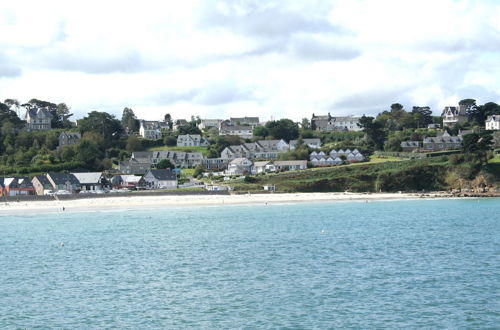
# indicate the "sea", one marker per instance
pixel 384 264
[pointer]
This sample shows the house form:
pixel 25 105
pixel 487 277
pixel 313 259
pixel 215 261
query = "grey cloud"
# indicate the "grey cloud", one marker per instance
pixel 310 48
pixel 371 103
pixel 261 19
pixel 126 62
pixel 172 97
pixel 223 93
pixel 8 68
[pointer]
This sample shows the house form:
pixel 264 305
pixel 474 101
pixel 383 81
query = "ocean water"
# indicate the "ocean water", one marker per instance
pixel 396 264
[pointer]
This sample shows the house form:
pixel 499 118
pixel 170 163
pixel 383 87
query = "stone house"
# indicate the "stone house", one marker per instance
pixel 63 181
pixel 409 146
pixel 68 138
pixel 38 119
pixel 41 184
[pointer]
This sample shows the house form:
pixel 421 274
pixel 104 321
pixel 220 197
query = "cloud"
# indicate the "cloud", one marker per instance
pixel 8 69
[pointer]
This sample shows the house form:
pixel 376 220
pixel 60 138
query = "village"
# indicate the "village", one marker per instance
pixel 175 168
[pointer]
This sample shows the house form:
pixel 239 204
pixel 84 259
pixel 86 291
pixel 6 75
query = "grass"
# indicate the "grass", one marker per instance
pixel 495 160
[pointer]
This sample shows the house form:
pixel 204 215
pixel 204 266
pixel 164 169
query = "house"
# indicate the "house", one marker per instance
pixel 17 186
pixel 160 179
pixel 262 149
pixel 244 121
pixel 493 123
pixel 260 167
pixel 311 143
pixel 41 184
pixel 409 146
pixel 216 164
pixel 38 119
pixel 125 181
pixel 245 132
pixel 189 140
pixel 453 115
pixel 210 123
pixel 290 165
pixel 178 123
pixel 150 129
pixel 239 166
pixel 92 181
pixel 63 181
pixel 68 138
pixel 442 142
pixel 134 166
pixel 328 123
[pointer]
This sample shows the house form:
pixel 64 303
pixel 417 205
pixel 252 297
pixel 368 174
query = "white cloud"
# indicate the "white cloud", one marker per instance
pixel 217 58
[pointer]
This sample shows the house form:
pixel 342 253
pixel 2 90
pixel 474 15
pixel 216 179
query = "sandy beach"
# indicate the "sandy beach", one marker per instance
pixel 146 202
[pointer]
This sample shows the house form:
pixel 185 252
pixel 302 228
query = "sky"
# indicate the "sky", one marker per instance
pixel 231 58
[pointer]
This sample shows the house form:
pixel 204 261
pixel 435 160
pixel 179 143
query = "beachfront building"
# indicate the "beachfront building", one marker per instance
pixel 244 121
pixel 150 129
pixel 191 140
pixel 63 181
pixel 493 123
pixel 289 165
pixel 239 166
pixel 38 119
pixel 261 167
pixel 16 186
pixel 68 139
pixel 335 157
pixel 328 123
pixel 41 184
pixel 215 164
pixel 159 179
pixel 92 181
pixel 453 115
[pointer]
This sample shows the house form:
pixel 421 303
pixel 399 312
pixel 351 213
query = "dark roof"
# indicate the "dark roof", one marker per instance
pixel 62 178
pixel 163 175
pixel 43 180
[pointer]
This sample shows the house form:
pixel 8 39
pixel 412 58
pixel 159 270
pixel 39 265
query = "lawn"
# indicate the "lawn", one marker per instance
pixel 495 160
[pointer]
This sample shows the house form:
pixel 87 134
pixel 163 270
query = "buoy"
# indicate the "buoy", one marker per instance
pixel 61 244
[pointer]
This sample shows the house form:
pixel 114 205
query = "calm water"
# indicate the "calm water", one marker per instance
pixel 433 264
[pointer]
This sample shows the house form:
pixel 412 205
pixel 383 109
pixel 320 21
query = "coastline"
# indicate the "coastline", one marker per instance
pixel 147 202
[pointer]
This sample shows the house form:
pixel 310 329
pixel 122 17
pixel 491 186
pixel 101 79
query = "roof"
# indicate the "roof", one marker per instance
pixel 290 162
pixel 163 174
pixel 88 177
pixel 262 163
pixel 495 118
pixel 42 179
pixel 62 178
pixel 238 161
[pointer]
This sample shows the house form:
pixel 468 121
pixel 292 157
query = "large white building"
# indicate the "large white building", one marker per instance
pixel 150 129
pixel 493 123
pixel 328 123
pixel 453 115
pixel 38 120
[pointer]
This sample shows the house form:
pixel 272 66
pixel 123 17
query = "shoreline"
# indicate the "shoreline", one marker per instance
pixel 123 203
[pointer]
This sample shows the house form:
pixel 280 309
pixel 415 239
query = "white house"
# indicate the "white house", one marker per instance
pixel 150 130
pixel 38 120
pixel 189 140
pixel 91 180
pixel 453 115
pixel 245 132
pixel 160 179
pixel 239 166
pixel 260 167
pixel 290 165
pixel 493 123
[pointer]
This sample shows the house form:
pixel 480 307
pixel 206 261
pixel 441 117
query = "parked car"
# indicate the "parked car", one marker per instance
pixel 62 192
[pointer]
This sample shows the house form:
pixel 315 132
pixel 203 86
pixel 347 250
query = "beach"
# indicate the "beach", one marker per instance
pixel 161 201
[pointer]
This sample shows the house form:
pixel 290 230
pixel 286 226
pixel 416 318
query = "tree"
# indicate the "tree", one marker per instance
pixel 13 105
pixel 101 122
pixel 260 131
pixel 373 130
pixel 393 143
pixel 190 128
pixel 477 145
pixel 164 164
pixel 168 120
pixel 283 129
pixel 61 117
pixel 422 116
pixel 305 124
pixel 8 115
pixel 470 109
pixel 129 121
pixel 483 111
pixel 88 151
pixel 133 144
